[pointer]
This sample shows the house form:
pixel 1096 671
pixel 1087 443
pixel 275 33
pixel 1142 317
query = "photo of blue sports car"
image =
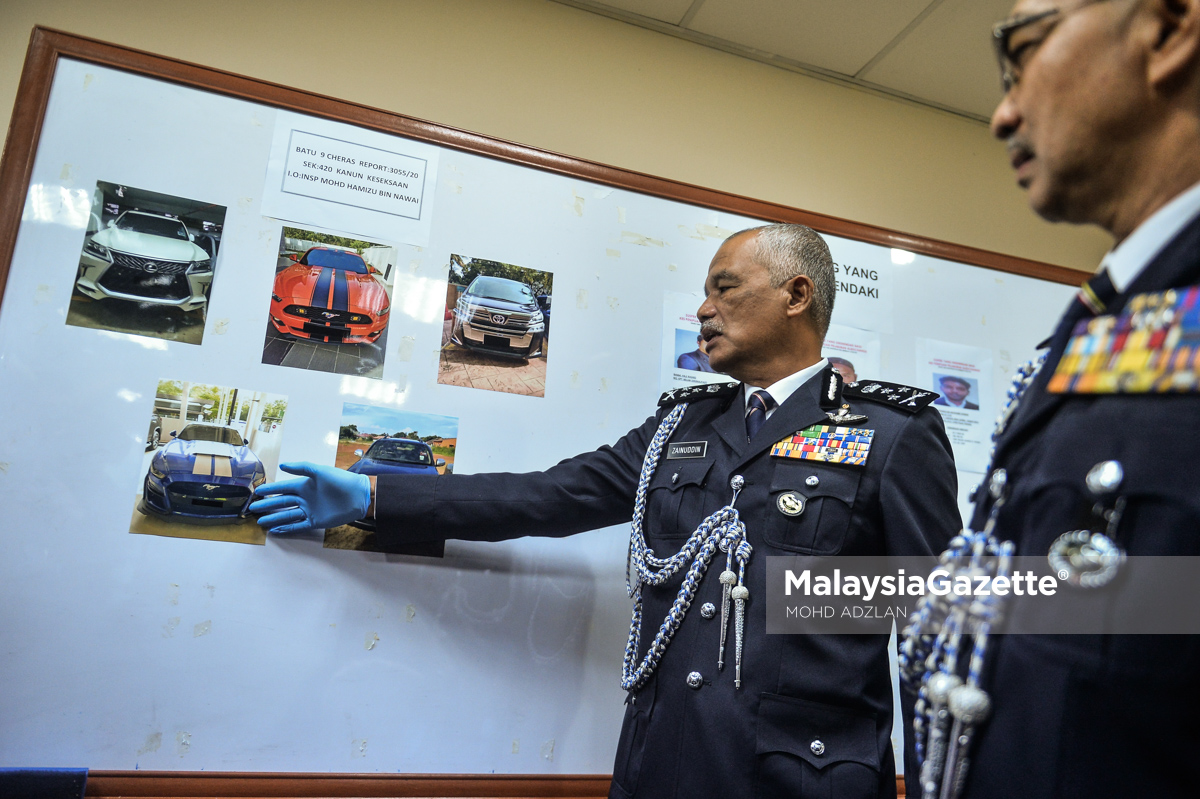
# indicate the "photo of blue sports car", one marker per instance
pixel 207 473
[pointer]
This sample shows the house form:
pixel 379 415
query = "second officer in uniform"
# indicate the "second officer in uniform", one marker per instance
pixel 1095 465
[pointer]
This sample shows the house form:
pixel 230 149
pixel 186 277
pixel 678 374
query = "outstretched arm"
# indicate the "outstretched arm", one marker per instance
pixel 589 491
pixel 586 492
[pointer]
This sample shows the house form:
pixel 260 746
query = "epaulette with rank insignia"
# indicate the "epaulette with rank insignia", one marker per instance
pixel 693 393
pixel 906 398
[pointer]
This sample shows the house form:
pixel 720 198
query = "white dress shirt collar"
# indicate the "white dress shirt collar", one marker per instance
pixel 1127 260
pixel 780 390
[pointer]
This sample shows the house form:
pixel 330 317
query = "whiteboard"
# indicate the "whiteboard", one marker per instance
pixel 129 651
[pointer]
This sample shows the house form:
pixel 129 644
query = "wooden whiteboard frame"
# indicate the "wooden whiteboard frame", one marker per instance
pixel 47 46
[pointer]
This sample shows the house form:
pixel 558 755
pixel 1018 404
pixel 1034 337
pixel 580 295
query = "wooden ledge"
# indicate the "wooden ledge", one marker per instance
pixel 219 785
pixel 164 784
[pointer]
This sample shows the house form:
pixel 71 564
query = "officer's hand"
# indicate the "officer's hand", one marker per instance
pixel 321 497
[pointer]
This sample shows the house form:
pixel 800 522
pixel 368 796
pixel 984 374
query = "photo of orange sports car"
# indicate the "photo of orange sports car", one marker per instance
pixel 332 296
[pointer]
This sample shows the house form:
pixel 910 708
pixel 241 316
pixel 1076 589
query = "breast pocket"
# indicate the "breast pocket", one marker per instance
pixel 1159 516
pixel 675 498
pixel 810 507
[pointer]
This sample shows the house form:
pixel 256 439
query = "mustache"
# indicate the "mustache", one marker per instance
pixel 710 328
pixel 1017 146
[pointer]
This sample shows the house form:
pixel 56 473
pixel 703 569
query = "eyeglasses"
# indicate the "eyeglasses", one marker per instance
pixel 1013 61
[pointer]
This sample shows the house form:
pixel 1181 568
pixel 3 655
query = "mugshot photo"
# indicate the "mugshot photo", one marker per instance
pixel 843 367
pixel 957 392
pixel 690 352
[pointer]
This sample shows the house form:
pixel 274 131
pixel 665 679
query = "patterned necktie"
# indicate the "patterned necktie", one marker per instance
pixel 756 412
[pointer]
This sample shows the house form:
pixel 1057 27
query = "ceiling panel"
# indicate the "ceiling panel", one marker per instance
pixel 948 58
pixel 841 36
pixel 671 11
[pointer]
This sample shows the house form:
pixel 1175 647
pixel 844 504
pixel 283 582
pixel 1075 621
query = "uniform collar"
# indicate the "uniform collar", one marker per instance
pixel 780 390
pixel 1127 260
pixel 801 409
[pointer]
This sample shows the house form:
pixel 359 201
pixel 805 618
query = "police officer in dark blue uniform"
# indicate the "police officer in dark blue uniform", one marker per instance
pixel 1101 118
pixel 790 460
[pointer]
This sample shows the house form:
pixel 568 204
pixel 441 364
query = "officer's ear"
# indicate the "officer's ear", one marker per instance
pixel 800 291
pixel 1173 31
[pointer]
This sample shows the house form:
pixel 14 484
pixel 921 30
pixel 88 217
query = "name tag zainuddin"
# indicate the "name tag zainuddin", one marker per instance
pixel 687 449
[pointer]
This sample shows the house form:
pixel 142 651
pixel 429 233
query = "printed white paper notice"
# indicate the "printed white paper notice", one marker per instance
pixel 864 274
pixel 345 178
pixel 853 352
pixel 963 376
pixel 684 361
pixel 351 174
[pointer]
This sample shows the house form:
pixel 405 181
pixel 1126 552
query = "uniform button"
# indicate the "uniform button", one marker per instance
pixel 1105 477
pixel 736 482
pixel 817 747
pixel 708 610
pixel 812 481
pixel 997 482
pixel 695 680
pixel 675 478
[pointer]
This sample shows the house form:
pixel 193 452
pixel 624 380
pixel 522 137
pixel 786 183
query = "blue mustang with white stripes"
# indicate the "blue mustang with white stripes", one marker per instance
pixel 207 473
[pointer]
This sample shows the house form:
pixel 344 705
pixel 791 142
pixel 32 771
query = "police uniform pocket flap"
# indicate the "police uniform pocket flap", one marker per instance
pixel 675 475
pixel 1144 480
pixel 839 483
pixel 1143 473
pixel 820 734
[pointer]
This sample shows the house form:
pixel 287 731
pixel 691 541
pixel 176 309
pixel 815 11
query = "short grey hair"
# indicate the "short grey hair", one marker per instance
pixel 788 250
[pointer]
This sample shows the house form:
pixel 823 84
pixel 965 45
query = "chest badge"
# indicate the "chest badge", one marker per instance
pixel 790 503
pixel 1153 347
pixel 828 444
pixel 843 416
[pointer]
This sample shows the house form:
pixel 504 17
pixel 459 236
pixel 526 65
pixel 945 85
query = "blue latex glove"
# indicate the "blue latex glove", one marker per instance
pixel 322 497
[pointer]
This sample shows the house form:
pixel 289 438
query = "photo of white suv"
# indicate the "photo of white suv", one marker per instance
pixel 146 258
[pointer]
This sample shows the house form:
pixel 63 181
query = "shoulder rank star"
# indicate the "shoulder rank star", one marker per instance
pixel 895 395
pixel 692 393
pixel 843 416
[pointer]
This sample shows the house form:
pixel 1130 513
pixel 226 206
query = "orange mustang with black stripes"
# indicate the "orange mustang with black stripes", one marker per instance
pixel 332 296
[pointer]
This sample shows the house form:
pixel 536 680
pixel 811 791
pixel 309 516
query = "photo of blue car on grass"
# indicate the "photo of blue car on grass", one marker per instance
pixel 397 456
pixel 206 474
pixel 378 440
